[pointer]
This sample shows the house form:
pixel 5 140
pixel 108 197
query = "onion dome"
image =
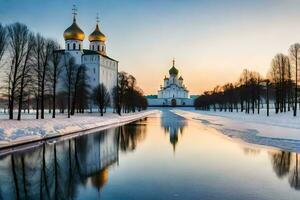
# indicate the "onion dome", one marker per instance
pixel 100 179
pixel 180 78
pixel 173 71
pixel 97 35
pixel 74 32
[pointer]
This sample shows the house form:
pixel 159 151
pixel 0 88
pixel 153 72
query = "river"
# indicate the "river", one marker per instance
pixel 161 157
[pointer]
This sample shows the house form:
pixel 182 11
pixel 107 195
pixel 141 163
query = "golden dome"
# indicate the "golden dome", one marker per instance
pixel 97 35
pixel 74 32
pixel 100 179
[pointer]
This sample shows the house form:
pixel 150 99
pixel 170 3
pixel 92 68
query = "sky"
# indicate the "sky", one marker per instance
pixel 212 41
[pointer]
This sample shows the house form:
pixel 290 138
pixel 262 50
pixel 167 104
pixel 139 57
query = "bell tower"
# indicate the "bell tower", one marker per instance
pixel 97 39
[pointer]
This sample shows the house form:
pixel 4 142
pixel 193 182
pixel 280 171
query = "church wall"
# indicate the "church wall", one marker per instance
pixel 108 73
pixel 92 64
pixel 168 102
pixel 101 70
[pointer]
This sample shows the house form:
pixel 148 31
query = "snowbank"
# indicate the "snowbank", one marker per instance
pixel 13 132
pixel 281 130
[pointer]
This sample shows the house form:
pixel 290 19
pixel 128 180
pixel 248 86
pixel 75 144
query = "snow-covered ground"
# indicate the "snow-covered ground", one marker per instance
pixel 14 132
pixel 278 130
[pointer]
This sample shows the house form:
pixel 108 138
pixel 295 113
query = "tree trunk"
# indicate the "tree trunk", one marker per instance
pixel 69 98
pixel 54 99
pixel 296 88
pixel 267 98
pixel 37 107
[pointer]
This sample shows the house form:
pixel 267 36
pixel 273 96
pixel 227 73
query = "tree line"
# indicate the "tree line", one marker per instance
pixel 252 92
pixel 37 75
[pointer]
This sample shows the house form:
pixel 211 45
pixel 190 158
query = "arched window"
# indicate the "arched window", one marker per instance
pixel 79 46
pixel 103 48
pixel 98 48
pixel 74 46
pixel 68 46
pixel 92 47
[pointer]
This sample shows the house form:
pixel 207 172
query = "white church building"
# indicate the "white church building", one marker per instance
pixel 100 68
pixel 173 92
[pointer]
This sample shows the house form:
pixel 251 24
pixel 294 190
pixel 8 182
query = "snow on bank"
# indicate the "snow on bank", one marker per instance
pixel 13 132
pixel 282 130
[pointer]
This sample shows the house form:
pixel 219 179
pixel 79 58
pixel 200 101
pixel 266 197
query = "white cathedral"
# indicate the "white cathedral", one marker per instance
pixel 100 68
pixel 173 92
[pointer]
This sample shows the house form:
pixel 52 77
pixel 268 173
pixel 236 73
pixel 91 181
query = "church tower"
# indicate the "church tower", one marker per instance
pixel 73 39
pixel 97 40
pixel 74 36
pixel 173 73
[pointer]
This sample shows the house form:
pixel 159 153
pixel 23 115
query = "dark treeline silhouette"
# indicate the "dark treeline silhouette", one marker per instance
pixel 252 92
pixel 39 76
pixel 127 96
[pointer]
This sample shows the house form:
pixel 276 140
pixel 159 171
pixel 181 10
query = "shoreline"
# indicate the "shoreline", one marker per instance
pixel 68 132
pixel 239 126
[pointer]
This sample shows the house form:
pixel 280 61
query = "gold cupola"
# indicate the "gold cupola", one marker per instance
pixel 74 32
pixel 97 35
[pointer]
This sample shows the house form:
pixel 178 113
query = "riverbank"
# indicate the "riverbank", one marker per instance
pixel 13 132
pixel 277 130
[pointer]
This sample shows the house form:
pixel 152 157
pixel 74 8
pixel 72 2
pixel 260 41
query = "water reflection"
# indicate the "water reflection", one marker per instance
pixel 56 171
pixel 286 164
pixel 113 164
pixel 173 125
pixel 131 134
pixel 251 151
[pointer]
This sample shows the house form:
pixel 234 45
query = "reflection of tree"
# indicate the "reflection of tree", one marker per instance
pixel 13 167
pixel 294 178
pixel 55 171
pixel 251 151
pixel 173 124
pixel 287 164
pixel 130 135
pixel 281 163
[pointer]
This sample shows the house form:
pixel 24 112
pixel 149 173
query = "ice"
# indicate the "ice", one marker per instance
pixel 278 130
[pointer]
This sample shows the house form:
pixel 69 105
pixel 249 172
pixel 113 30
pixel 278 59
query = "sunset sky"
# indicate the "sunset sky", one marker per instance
pixel 212 41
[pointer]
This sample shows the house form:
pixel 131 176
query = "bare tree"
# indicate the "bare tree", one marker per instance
pixel 101 97
pixel 70 73
pixel 279 75
pixel 17 39
pixel 3 36
pixel 25 71
pixel 122 87
pixel 294 52
pixel 55 70
pixel 42 53
pixel 79 86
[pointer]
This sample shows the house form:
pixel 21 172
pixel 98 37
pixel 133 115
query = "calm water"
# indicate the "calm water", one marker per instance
pixel 162 157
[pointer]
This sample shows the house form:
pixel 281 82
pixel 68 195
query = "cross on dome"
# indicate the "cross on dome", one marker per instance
pixel 74 12
pixel 173 70
pixel 74 32
pixel 97 18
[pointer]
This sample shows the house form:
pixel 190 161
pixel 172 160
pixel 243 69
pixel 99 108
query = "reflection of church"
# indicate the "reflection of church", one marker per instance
pixel 173 126
pixel 173 92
